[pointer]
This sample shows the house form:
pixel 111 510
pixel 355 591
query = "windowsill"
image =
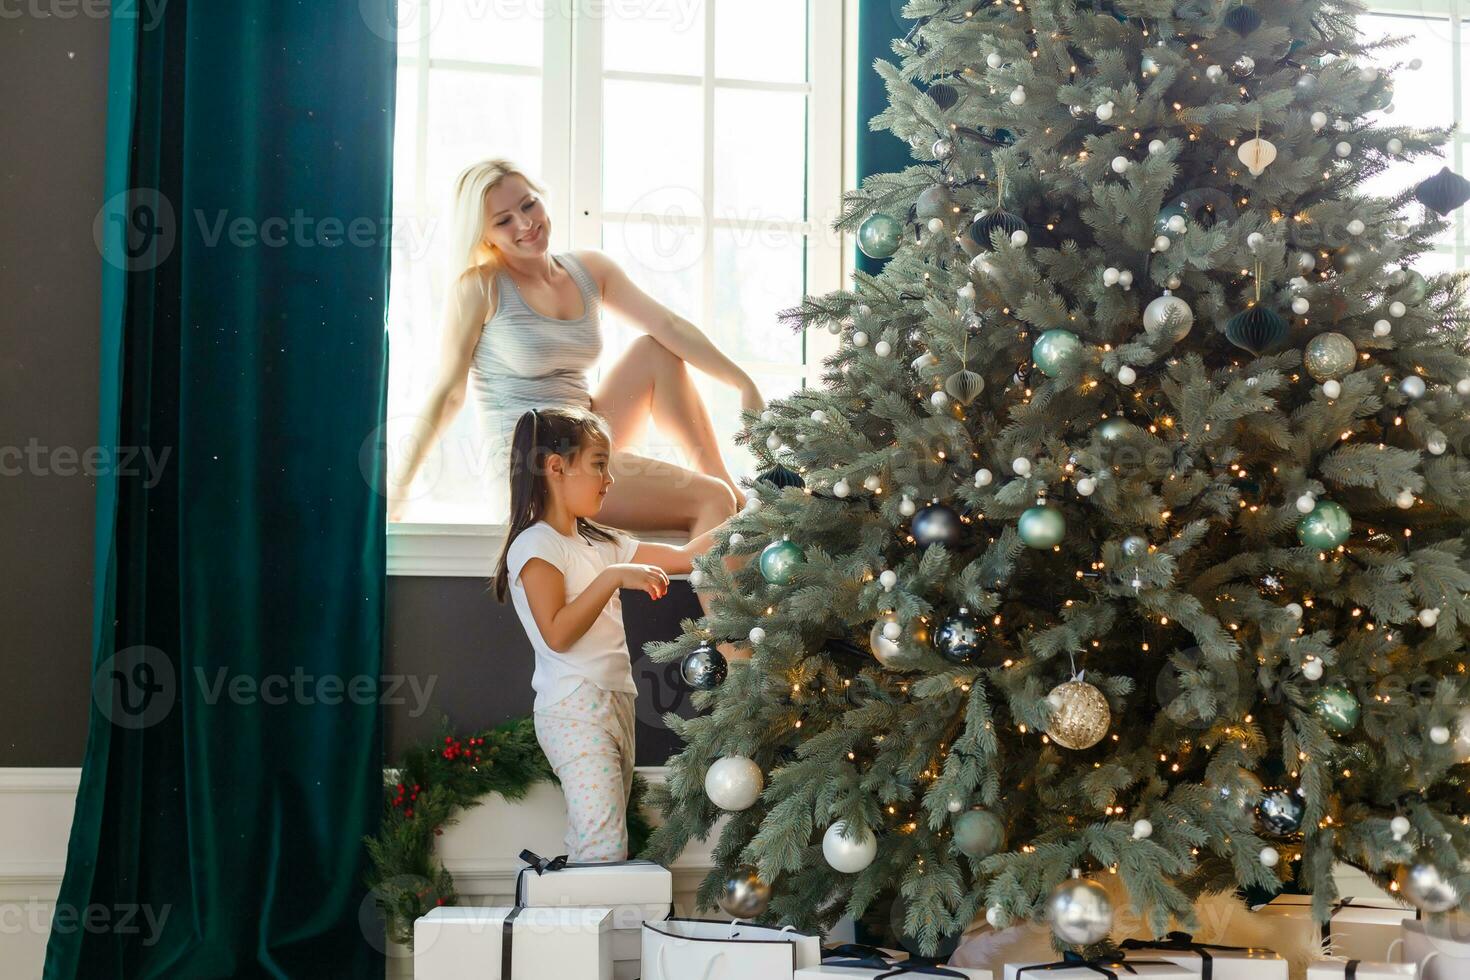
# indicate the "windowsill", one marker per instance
pixel 460 550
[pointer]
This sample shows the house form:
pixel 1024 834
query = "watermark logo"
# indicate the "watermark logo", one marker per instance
pixel 136 230
pixel 136 687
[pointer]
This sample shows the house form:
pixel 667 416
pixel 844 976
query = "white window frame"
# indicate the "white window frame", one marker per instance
pixel 572 83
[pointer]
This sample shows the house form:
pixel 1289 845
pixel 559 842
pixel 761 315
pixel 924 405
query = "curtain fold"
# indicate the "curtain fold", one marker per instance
pixel 880 152
pixel 234 756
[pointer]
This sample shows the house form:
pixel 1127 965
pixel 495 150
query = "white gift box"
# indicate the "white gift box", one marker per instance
pixel 1360 928
pixel 627 969
pixel 1100 969
pixel 552 882
pixel 1439 946
pixel 467 943
pixel 1211 961
pixel 710 949
pixel 865 973
pixel 1360 970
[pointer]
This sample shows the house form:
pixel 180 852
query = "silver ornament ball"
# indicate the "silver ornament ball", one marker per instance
pixel 1080 912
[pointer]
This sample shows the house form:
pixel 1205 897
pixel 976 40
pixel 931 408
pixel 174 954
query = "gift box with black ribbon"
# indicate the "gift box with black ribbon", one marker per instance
pixel 472 943
pixel 1212 961
pixel 637 891
pixel 1359 928
pixel 1361 970
pixel 1074 967
pixel 854 961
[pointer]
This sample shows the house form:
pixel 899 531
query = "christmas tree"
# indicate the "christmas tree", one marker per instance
pixel 1126 532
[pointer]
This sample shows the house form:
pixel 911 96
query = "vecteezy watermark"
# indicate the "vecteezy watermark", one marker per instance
pixel 148 12
pixel 412 20
pixel 34 459
pixel 38 917
pixel 135 230
pixel 138 687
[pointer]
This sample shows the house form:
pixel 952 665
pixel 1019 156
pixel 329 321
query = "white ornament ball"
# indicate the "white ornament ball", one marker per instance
pixel 1412 386
pixel 1437 443
pixel 773 442
pixel 1306 261
pixel 860 339
pixel 1356 227
pixel 939 399
pixel 1021 465
pixel 1105 111
pixel 841 488
pixel 935 226
pixel 1163 243
pixel 1176 223
pixel 1397 309
pixel 1405 499
pixel 1319 121
pixel 1400 827
pixel 892 630
pixel 996 917
pixel 1382 328
pixel 1439 735
pixel 994 60
pixel 888 579
pixel 848 855
pixel 1332 388
pixel 955 805
pixel 1110 277
pixel 1294 610
pixel 872 483
pixel 1157 146
pixel 696 577
pixel 1019 237
pixel 1395 146
pixel 1253 241
pixel 1416 63
pixel 1142 830
pixel 1120 164
pixel 1018 96
pixel 1300 306
pixel 1462 387
pixel 1270 857
pixel 1086 486
pixel 1344 149
pixel 882 348
pixel 1126 375
pixel 967 292
pixel 736 539
pixel 906 506
pixel 1174 282
pixel 1305 503
pixel 983 477
pixel 734 783
pixel 757 635
pixel 1214 73
pixel 1312 670
pixel 1428 617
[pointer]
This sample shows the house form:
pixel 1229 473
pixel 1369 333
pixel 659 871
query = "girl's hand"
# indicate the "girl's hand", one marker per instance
pixel 649 578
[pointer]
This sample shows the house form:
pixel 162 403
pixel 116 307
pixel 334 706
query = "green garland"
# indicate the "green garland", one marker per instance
pixel 438 779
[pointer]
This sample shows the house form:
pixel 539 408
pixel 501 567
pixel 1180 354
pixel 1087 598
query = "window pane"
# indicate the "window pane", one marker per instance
pixel 724 408
pixel 474 115
pixel 478 30
pixel 661 37
pixel 760 155
pixel 408 25
pixel 664 260
pixel 763 40
pixel 758 272
pixel 653 147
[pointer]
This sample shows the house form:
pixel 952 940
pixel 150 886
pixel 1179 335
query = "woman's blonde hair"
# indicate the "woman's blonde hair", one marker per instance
pixel 467 248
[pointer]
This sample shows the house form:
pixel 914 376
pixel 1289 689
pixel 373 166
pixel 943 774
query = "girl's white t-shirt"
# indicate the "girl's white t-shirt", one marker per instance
pixel 600 655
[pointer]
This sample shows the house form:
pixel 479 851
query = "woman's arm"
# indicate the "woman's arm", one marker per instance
pixel 465 312
pixel 623 297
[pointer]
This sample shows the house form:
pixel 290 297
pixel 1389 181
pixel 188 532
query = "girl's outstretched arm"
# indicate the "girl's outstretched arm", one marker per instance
pixel 676 560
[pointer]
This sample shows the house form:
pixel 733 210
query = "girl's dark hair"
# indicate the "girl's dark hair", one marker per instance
pixel 539 433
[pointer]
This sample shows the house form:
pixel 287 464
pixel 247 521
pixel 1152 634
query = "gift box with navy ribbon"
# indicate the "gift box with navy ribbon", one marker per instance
pixel 1361 970
pixel 1212 961
pixel 855 961
pixel 1359 928
pixel 637 891
pixel 472 943
pixel 1074 967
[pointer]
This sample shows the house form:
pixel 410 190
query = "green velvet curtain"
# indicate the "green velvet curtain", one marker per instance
pixel 879 23
pixel 234 757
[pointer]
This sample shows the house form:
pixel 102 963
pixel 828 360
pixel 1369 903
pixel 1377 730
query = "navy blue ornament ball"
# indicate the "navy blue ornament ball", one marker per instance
pixel 960 638
pixel 936 524
pixel 704 668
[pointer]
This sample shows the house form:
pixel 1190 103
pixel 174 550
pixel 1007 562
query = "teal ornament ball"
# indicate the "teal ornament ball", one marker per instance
pixel 1337 708
pixel 779 561
pixel 1256 329
pixel 1172 221
pixel 1329 355
pixel 1042 527
pixel 880 235
pixel 1326 527
pixel 1411 285
pixel 1053 350
pixel 979 833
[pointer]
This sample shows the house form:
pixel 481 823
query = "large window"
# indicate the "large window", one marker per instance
pixel 696 142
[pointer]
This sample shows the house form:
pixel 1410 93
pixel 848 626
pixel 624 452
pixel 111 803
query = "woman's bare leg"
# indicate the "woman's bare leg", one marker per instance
pixel 651 495
pixel 649 380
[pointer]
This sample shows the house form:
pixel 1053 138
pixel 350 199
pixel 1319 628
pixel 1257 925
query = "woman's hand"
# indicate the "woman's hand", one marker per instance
pixel 750 398
pixel 649 578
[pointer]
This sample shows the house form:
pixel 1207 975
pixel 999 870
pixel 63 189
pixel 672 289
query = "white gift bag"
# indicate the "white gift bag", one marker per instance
pixel 472 943
pixel 710 949
pixel 1440 947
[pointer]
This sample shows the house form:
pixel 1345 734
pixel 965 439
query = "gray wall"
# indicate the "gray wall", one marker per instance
pixel 446 632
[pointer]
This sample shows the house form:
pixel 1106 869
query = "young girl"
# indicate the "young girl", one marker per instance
pixel 563 573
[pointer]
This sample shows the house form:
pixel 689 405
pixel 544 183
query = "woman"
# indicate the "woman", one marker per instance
pixel 523 327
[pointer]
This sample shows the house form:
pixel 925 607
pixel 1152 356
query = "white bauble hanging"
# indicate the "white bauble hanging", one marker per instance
pixel 882 348
pixel 1018 95
pixel 983 477
pixel 848 855
pixel 1105 111
pixel 1257 154
pixel 1167 318
pixel 1319 120
pixel 733 783
pixel 888 579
